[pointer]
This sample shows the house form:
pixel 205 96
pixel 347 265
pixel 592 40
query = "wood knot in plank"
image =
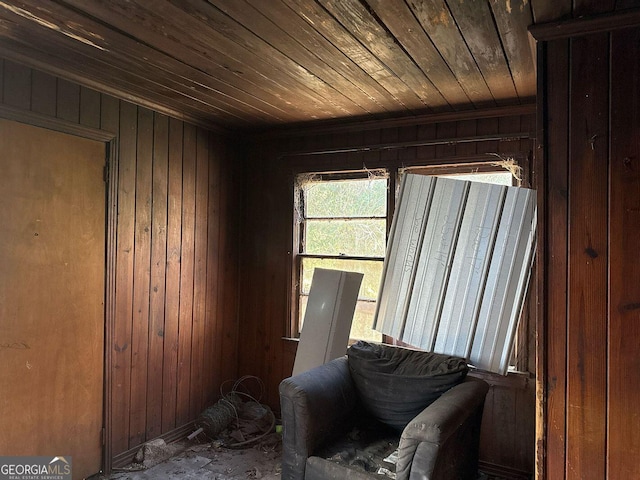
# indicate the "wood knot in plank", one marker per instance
pixel 628 307
pixel 591 252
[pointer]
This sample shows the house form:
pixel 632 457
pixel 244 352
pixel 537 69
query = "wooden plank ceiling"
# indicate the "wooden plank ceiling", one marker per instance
pixel 251 64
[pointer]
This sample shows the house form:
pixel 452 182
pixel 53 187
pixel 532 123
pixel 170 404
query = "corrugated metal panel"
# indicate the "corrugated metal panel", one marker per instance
pixel 506 282
pixel 434 265
pixel 457 268
pixel 407 231
pixel 469 271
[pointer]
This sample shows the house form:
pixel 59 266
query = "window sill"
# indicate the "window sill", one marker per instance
pixel 513 379
pixel 517 380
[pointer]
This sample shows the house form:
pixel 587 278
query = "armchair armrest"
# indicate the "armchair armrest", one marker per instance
pixel 442 441
pixel 315 404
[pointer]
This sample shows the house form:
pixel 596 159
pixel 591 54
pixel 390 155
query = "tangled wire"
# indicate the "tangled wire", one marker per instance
pixel 219 416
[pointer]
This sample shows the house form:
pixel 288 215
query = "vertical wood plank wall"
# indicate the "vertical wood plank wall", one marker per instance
pixel 175 331
pixel 591 123
pixel 265 264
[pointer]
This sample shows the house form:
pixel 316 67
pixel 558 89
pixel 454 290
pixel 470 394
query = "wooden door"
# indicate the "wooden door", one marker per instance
pixel 52 269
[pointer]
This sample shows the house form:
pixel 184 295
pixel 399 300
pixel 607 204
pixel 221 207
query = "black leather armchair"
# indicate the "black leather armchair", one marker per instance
pixel 320 405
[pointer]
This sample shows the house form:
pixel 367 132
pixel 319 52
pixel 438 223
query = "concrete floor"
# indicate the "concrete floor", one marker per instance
pixel 210 462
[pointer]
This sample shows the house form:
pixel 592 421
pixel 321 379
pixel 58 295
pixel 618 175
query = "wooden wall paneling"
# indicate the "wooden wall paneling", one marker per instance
pixel 539 182
pixel 364 159
pixel 186 274
pixel 68 104
pixel 504 439
pixel 446 130
pixel 525 433
pixel 43 93
pixel 407 156
pixel 225 187
pixel 339 140
pixel 466 128
pixel 109 121
pixel 555 219
pixel 281 200
pixel 546 11
pixel 488 126
pixel 141 279
pixel 623 425
pixel 200 272
pixel 172 276
pixel 527 124
pixel 586 336
pixel 122 339
pixel 372 137
pixel 89 107
pixel 230 206
pixel 255 319
pixel 507 434
pixel 17 85
pixel 487 444
pixel 213 331
pixel 158 272
pixel 153 207
pixel 251 265
pixel 626 4
pixel 592 7
pixel 389 135
pixel 426 132
pixel 507 125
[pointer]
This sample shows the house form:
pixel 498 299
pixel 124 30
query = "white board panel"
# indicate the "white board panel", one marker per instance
pixel 328 317
pixel 457 268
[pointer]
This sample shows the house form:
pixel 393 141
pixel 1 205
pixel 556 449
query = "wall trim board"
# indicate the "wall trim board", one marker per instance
pixel 52 123
pixel 172 436
pixel 354 125
pixel 585 25
pixel 379 147
pixel 110 294
pixel 540 184
pixel 111 203
pixel 502 471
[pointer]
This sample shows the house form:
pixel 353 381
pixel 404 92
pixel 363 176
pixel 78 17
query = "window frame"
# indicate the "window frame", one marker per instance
pixel 298 233
pixel 521 361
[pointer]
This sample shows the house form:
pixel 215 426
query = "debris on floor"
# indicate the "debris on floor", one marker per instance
pixel 233 439
pixel 213 461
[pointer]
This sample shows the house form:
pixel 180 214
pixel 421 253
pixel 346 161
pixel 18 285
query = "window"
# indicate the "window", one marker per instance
pixel 342 225
pixel 341 222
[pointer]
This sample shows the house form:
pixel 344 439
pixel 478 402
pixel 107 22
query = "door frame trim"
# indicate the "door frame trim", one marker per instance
pixel 111 218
